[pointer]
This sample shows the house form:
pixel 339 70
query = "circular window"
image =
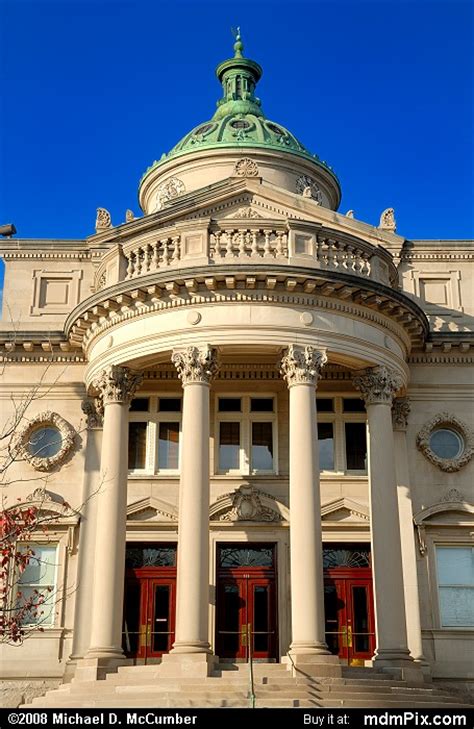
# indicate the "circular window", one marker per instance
pixel 240 124
pixel 204 128
pixel 446 443
pixel 44 442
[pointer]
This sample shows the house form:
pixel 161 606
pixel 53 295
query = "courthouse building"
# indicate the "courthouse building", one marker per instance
pixel 249 432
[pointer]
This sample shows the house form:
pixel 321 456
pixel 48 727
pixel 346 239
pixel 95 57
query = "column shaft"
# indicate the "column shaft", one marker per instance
pixel 307 587
pixel 192 606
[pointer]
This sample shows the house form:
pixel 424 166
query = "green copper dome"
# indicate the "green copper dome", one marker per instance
pixel 239 120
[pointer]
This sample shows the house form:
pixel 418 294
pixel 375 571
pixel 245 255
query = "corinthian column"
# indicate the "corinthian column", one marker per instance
pixel 116 385
pixel 301 368
pixel 378 387
pixel 196 367
pixel 400 413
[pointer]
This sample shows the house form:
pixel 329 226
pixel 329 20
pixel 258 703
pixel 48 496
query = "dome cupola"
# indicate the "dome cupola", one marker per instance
pixel 238 129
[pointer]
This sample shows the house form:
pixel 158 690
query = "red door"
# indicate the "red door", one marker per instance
pixel 350 624
pixel 246 602
pixel 149 601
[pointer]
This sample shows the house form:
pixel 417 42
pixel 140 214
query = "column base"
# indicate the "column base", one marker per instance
pixel 190 647
pixel 96 669
pixel 400 665
pixel 303 665
pixel 176 665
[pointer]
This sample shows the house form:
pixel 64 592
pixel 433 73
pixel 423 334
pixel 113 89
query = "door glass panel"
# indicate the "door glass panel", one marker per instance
pixel 260 618
pixel 360 620
pixel 168 445
pixel 246 557
pixel 229 446
pixel 131 618
pixel 262 446
pixel 331 606
pixel 161 623
pixel 346 556
pixel 229 619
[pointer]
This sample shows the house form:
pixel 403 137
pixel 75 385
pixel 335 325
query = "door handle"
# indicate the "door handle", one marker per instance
pixel 344 636
pixel 148 635
pixel 349 636
pixel 243 635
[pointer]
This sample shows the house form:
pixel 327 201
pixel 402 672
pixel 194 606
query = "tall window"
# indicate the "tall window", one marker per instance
pixel 35 586
pixel 456 586
pixel 154 434
pixel 246 434
pixel 342 434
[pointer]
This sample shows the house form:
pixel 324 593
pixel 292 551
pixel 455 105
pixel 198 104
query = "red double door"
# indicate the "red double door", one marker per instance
pixel 150 602
pixel 246 620
pixel 349 614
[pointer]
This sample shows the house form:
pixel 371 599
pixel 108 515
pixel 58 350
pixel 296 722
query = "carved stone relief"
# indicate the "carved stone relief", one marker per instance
pixel 21 443
pixel 246 167
pixel 308 187
pixel 246 505
pixel 169 190
pixel 449 421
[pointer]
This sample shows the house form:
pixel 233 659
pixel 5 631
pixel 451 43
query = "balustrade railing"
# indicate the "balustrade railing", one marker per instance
pixel 254 243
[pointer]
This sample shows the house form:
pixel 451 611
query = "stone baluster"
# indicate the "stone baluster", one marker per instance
pixel 155 259
pixel 267 245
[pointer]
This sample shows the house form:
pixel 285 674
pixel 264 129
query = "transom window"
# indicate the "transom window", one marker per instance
pixel 154 434
pixel 342 434
pixel 246 434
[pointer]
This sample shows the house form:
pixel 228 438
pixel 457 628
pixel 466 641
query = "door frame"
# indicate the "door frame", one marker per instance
pixel 252 575
pixel 349 576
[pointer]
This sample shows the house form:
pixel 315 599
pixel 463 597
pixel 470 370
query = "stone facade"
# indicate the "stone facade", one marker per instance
pixel 235 285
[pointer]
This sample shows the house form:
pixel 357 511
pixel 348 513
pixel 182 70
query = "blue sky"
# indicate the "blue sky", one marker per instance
pixel 93 92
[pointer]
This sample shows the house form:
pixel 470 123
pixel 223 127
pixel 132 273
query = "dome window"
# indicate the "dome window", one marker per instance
pixel 276 130
pixel 204 129
pixel 240 124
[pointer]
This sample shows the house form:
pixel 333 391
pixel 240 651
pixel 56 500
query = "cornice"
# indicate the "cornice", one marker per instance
pixel 350 295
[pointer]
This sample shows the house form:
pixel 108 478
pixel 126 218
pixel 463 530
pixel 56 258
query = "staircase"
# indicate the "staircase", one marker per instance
pixel 228 686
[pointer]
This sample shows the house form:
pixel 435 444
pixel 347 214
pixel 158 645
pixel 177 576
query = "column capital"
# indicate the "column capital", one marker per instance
pixel 302 365
pixel 196 364
pixel 378 385
pixel 117 384
pixel 400 411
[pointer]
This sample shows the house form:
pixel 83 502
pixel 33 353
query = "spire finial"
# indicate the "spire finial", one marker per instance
pixel 238 45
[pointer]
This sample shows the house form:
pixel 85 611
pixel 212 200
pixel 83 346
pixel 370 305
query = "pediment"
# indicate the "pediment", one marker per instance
pixel 248 504
pixel 151 509
pixel 345 510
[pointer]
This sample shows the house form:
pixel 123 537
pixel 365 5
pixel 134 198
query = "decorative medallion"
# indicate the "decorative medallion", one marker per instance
pixel 246 505
pixel 172 188
pixel 246 167
pixel 458 446
pixel 45 441
pixel 308 187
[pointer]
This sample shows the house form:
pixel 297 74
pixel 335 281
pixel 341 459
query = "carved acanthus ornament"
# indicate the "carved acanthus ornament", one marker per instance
pixel 446 420
pixel 196 364
pixel 117 384
pixel 302 365
pixel 387 220
pixel 378 385
pixel 94 412
pixel 103 220
pixel 400 412
pixel 246 167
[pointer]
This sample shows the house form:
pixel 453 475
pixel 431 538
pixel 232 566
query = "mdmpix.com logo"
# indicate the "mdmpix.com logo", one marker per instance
pixel 414 718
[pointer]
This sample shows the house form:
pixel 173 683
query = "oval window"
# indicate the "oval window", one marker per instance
pixel 446 443
pixel 45 442
pixel 204 128
pixel 276 130
pixel 240 124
